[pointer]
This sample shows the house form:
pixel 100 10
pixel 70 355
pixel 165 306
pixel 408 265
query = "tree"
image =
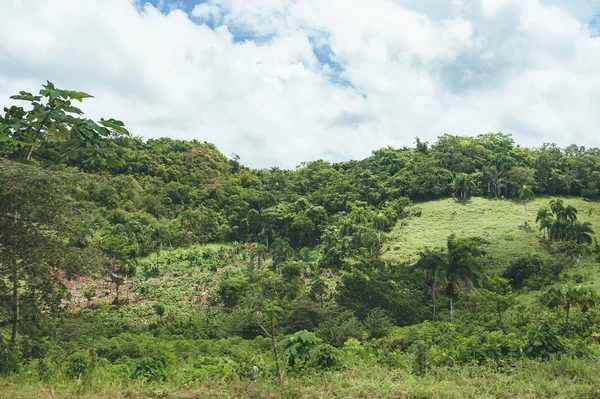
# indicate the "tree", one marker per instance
pixel 557 207
pixel 281 251
pixel 569 213
pixel 582 234
pixel 463 267
pixel 267 303
pixel 54 123
pixel 526 195
pixel 463 185
pixel 37 217
pixel 158 236
pixel 566 297
pixel 36 214
pixel 433 263
pixel 380 222
pixel 544 218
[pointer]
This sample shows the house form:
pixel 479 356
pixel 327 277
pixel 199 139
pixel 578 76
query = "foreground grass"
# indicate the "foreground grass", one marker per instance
pixel 528 379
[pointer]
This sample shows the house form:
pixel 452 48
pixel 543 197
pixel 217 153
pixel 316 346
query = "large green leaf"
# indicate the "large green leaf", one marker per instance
pixel 25 96
pixel 78 95
pixel 115 125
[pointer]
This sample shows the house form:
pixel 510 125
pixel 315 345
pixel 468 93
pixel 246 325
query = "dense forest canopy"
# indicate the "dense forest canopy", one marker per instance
pixel 297 266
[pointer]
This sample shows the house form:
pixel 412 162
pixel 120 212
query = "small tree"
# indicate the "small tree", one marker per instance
pixel 566 297
pixel 526 195
pixel 267 302
pixel 581 233
pixel 544 218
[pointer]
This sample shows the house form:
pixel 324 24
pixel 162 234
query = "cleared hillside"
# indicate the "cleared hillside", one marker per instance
pixel 499 221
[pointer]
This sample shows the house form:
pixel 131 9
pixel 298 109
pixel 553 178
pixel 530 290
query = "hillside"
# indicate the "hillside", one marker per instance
pixel 136 268
pixel 498 220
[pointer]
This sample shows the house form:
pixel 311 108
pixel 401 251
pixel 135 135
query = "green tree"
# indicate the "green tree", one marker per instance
pixel 566 297
pixel 463 267
pixel 526 195
pixel 544 218
pixel 54 123
pixel 433 263
pixel 37 218
pixel 158 236
pixel 582 234
pixel 463 185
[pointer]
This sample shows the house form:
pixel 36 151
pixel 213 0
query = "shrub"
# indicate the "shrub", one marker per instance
pixel 378 324
pixel 79 364
pixel 340 327
pixel 151 368
pixel 543 341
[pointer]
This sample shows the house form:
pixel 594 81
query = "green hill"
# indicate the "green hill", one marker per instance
pixel 499 221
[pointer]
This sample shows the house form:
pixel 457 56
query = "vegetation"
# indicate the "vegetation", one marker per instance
pixel 161 268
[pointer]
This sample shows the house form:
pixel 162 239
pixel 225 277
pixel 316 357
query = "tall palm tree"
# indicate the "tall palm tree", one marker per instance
pixel 463 268
pixel 526 195
pixel 581 233
pixel 558 229
pixel 544 218
pixel 433 263
pixel 557 206
pixel 463 184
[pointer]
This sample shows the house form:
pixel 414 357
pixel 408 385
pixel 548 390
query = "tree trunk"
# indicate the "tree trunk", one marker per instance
pixel 117 294
pixel 525 214
pixel 579 257
pixel 37 134
pixel 276 351
pixel 433 286
pixel 451 310
pixel 567 320
pixel 15 319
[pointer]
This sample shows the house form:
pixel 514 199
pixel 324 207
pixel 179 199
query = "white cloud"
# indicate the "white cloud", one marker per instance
pixel 413 67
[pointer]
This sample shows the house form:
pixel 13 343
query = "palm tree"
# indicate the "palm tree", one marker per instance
pixel 380 222
pixel 433 262
pixel 557 207
pixel 526 195
pixel 544 218
pixel 463 268
pixel 158 236
pixel 570 213
pixel 580 233
pixel 558 229
pixel 463 184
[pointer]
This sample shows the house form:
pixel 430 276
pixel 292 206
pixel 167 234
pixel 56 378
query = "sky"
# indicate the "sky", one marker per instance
pixel 281 82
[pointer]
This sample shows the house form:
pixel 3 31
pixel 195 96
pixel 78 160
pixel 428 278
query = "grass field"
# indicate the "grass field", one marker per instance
pixel 499 221
pixel 529 379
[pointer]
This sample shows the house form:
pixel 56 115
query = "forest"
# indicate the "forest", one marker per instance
pixel 133 268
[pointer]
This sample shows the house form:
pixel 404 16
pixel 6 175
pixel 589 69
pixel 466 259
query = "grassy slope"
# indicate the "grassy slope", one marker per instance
pixel 499 221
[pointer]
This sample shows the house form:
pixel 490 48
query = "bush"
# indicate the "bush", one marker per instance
pixel 522 269
pixel 340 327
pixel 378 324
pixel 151 368
pixel 79 364
pixel 543 341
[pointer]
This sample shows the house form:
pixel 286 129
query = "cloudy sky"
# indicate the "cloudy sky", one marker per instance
pixel 284 81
